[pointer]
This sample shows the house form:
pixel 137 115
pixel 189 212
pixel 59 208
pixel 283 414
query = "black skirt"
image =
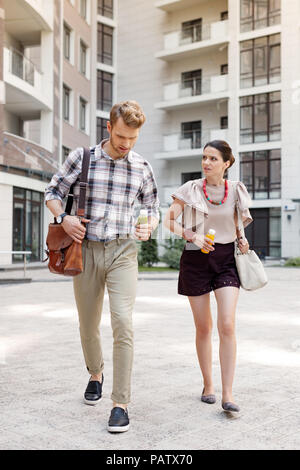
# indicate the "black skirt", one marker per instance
pixel 201 273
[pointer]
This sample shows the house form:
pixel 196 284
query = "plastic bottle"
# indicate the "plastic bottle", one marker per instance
pixel 143 217
pixel 211 234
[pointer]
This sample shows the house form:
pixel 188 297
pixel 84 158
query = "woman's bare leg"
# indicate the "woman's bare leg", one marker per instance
pixel 203 322
pixel 227 298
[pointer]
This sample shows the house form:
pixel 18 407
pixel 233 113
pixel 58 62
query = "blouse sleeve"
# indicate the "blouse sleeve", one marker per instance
pixel 190 194
pixel 244 202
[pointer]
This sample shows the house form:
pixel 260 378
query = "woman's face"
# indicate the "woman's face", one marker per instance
pixel 212 162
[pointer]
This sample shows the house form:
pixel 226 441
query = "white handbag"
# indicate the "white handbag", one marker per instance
pixel 250 268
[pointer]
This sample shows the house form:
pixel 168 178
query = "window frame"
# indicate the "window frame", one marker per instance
pixel 104 10
pixel 102 127
pixel 253 105
pixel 67 94
pixel 83 106
pixel 104 31
pixel 252 49
pixel 271 14
pixel 196 140
pixel 270 186
pixel 103 104
pixel 67 42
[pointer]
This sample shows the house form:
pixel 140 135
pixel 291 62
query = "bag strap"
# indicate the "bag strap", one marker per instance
pixel 82 186
pixel 240 221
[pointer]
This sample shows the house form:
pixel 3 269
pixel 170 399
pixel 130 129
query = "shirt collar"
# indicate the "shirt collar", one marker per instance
pixel 100 153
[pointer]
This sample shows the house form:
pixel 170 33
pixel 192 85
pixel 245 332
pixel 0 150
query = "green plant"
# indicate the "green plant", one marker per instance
pixel 173 250
pixel 148 253
pixel 292 262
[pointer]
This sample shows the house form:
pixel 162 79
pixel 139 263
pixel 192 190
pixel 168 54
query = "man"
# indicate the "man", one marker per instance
pixel 117 177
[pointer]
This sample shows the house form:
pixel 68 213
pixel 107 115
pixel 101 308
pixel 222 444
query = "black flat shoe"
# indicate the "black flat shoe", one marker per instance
pixel 93 392
pixel 119 420
pixel 231 407
pixel 211 399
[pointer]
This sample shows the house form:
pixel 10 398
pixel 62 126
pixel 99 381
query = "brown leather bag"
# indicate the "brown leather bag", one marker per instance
pixel 64 254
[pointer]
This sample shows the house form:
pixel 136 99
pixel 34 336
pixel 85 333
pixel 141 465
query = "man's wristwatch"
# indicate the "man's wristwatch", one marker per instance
pixel 60 217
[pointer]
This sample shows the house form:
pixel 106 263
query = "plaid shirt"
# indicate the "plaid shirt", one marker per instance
pixel 114 188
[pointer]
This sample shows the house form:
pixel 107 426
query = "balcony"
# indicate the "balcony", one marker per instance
pixel 25 86
pixel 25 19
pixel 174 5
pixel 189 43
pixel 185 94
pixel 176 146
pixel 23 154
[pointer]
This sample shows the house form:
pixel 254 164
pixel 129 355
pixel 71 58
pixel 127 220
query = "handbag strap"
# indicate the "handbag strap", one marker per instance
pixel 82 186
pixel 240 221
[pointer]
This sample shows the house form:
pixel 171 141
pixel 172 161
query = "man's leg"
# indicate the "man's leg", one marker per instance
pixel 89 292
pixel 121 280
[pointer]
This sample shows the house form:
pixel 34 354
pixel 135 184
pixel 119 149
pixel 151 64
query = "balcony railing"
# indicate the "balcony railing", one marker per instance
pixel 192 140
pixel 195 87
pixel 208 31
pixel 21 66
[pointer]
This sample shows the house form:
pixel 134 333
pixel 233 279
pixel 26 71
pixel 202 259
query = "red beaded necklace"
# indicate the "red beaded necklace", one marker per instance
pixel 215 202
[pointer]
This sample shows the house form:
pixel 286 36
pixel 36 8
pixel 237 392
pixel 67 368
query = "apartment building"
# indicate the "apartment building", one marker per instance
pixel 47 107
pixel 220 69
pixel 202 70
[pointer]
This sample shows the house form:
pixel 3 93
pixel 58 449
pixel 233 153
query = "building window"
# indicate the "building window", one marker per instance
pixel 260 61
pixel 82 114
pixel 224 122
pixel 27 223
pixel 191 135
pixel 105 8
pixel 185 177
pixel 261 173
pixel 260 118
pixel 224 69
pixel 83 57
pixel 66 103
pixel 105 44
pixel 104 90
pixel 191 31
pixel 256 14
pixel 65 152
pixel 224 15
pixel 191 83
pixel 67 42
pixel 83 8
pixel 264 234
pixel 102 132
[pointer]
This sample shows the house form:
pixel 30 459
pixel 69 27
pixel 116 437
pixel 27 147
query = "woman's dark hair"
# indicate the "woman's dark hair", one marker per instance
pixel 224 149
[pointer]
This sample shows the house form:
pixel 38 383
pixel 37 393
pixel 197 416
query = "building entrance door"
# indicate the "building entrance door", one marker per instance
pixel 27 223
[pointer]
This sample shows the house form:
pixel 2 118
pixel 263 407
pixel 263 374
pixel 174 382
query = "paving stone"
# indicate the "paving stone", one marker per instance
pixel 43 375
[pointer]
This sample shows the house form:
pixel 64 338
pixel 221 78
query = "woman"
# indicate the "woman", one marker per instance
pixel 209 203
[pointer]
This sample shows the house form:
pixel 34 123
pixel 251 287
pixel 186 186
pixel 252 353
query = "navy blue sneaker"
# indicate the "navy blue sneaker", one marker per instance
pixel 119 420
pixel 93 392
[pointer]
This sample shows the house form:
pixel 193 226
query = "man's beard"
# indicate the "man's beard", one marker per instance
pixel 116 149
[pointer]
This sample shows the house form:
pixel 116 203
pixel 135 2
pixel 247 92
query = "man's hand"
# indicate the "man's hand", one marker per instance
pixel 73 227
pixel 143 232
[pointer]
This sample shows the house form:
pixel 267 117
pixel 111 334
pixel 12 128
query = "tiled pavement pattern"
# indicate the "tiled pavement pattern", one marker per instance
pixel 43 377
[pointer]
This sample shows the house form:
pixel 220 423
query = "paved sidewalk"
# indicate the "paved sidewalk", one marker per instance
pixel 42 373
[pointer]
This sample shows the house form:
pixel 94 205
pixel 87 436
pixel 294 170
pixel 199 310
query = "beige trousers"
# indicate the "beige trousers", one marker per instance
pixel 113 264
